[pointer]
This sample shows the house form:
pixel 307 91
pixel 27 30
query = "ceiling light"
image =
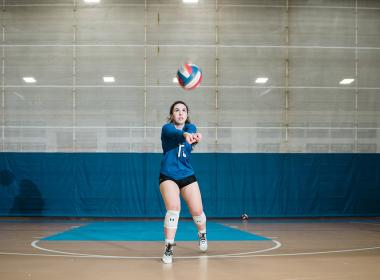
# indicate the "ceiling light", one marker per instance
pixel 346 81
pixel 190 1
pixel 92 1
pixel 29 80
pixel 261 80
pixel 109 79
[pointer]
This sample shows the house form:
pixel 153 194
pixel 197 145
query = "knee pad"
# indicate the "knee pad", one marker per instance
pixel 171 219
pixel 200 220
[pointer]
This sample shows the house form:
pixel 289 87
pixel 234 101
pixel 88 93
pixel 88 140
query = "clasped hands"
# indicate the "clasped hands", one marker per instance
pixel 192 138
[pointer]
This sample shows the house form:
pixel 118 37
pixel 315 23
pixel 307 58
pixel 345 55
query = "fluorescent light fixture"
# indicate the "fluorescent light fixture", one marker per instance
pixel 29 80
pixel 346 81
pixel 261 80
pixel 190 1
pixel 175 80
pixel 92 1
pixel 109 79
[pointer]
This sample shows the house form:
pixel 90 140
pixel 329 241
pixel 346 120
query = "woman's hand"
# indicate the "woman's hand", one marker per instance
pixel 197 136
pixel 192 138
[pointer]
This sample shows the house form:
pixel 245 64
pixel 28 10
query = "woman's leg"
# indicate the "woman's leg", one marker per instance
pixel 192 196
pixel 170 194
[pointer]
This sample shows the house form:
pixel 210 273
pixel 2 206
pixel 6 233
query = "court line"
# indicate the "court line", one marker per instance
pixel 320 252
pixel 301 220
pixel 33 254
pixel 72 255
pixel 365 223
pixel 65 255
pixel 235 255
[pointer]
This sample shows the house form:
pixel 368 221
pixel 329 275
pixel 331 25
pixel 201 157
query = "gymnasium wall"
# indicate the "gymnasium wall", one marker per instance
pixel 126 184
pixel 304 48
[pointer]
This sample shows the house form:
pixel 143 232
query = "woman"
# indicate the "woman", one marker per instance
pixel 177 177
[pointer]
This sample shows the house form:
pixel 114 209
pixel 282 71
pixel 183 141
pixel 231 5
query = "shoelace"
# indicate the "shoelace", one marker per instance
pixel 169 249
pixel 202 237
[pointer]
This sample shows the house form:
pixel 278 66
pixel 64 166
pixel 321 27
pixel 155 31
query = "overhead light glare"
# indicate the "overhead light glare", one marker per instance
pixel 190 1
pixel 346 81
pixel 29 80
pixel 92 1
pixel 109 79
pixel 261 80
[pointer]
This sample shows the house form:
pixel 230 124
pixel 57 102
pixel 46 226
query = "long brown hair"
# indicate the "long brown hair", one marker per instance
pixel 170 119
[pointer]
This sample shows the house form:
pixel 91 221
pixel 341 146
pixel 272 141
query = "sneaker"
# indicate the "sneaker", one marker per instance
pixel 168 254
pixel 202 242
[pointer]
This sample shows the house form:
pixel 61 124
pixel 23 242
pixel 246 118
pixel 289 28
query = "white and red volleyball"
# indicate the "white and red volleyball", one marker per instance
pixel 189 76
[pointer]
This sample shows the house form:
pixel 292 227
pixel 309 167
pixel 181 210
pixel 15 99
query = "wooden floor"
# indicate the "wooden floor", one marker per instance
pixel 297 249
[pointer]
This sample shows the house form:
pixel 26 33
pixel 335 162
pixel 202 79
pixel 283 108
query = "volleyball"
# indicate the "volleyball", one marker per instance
pixel 189 76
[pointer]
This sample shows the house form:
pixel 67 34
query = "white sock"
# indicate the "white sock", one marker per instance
pixel 202 231
pixel 169 241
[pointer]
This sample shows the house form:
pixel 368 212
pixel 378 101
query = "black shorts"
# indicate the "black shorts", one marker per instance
pixel 181 182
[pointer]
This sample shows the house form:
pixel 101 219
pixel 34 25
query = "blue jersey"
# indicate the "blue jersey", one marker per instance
pixel 176 159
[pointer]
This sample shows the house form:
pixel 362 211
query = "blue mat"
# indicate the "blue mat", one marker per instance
pixel 150 231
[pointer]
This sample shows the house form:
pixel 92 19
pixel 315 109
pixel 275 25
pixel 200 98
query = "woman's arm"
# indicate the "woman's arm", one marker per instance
pixel 169 131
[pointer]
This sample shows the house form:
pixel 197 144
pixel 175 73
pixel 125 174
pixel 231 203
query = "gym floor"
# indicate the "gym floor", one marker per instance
pixel 288 249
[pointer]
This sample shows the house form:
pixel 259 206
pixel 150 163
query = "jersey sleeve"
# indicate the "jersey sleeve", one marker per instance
pixel 170 132
pixel 190 128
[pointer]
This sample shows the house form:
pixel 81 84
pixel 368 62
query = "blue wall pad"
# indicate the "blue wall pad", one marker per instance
pixel 126 184
pixel 150 231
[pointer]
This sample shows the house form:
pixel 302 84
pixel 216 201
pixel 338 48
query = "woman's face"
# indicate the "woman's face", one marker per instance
pixel 179 114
